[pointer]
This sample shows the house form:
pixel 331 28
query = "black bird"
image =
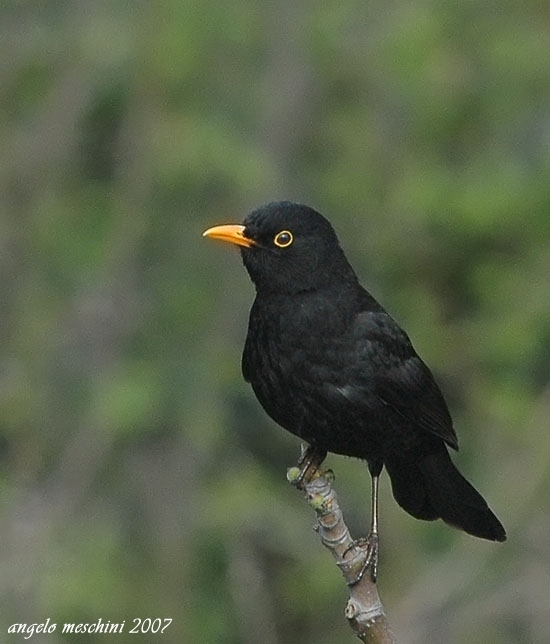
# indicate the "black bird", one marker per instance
pixel 330 365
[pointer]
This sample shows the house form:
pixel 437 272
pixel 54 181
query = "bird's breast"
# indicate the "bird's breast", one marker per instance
pixel 301 363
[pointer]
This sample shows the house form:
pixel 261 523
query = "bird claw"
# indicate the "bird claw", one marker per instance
pixel 309 465
pixel 369 546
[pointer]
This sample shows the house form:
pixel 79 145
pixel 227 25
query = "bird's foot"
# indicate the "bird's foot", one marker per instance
pixel 309 466
pixel 369 562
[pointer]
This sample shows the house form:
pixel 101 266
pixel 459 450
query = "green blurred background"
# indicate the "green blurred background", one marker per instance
pixel 138 475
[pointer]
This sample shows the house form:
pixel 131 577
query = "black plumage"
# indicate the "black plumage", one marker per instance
pixel 330 365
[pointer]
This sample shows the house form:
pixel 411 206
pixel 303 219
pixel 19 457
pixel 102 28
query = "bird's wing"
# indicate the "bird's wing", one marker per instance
pixel 401 380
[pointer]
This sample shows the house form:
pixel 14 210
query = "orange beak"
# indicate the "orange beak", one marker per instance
pixel 232 233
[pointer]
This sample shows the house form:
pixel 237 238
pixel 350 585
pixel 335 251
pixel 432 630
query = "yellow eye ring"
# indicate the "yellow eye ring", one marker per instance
pixel 283 239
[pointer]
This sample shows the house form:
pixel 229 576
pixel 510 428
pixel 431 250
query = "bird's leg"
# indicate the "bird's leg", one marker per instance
pixel 369 544
pixel 371 562
pixel 309 463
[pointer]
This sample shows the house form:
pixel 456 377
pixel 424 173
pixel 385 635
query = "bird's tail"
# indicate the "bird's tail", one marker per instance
pixel 433 488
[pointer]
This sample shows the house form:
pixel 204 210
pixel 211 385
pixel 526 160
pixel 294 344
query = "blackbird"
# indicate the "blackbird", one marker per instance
pixel 330 365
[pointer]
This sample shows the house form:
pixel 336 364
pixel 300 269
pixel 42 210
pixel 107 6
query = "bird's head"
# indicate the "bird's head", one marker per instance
pixel 287 248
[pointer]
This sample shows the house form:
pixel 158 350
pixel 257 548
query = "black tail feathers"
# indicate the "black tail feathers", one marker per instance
pixel 433 488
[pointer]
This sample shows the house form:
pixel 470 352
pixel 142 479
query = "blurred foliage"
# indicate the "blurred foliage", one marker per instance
pixel 138 476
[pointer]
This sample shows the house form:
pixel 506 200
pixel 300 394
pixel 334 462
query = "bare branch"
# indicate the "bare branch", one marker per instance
pixel 364 610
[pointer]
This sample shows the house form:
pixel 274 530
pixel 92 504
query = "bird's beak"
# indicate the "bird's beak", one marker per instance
pixel 233 233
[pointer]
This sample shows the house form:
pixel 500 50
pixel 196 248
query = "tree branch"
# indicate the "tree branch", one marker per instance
pixel 364 610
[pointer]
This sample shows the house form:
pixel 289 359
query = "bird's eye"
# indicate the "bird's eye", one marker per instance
pixel 283 239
